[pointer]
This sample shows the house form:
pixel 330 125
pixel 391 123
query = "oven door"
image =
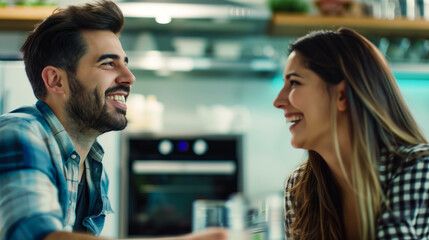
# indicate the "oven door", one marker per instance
pixel 159 189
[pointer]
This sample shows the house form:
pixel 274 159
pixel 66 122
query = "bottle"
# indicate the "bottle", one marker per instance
pixel 274 217
pixel 153 114
pixel 237 209
pixel 257 228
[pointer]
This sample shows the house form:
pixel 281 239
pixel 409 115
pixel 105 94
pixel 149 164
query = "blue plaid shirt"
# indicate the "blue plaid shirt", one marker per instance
pixel 39 176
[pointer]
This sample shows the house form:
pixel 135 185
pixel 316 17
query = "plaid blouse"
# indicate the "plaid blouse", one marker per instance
pixel 406 186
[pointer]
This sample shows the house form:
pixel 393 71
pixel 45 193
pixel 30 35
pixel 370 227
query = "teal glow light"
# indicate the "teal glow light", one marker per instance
pixel 414 80
pixel 411 75
pixel 277 81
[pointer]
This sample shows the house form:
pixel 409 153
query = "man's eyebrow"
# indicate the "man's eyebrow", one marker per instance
pixel 112 56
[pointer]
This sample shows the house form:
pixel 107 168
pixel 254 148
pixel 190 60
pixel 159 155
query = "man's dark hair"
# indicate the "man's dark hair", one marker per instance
pixel 58 42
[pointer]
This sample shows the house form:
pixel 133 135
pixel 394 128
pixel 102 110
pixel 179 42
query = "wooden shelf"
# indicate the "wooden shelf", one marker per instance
pixel 297 25
pixel 23 18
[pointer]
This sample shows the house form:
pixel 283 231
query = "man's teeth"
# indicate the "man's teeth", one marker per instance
pixel 293 118
pixel 118 98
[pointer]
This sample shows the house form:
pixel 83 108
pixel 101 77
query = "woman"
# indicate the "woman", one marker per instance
pixel 366 176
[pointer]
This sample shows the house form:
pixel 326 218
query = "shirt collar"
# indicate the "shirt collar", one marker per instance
pixel 97 152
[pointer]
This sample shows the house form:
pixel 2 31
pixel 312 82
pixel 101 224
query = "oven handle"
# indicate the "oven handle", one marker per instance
pixel 183 167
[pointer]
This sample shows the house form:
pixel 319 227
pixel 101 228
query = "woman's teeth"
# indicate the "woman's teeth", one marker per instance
pixel 118 98
pixel 293 118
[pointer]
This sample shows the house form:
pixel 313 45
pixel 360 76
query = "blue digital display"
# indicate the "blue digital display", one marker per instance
pixel 182 146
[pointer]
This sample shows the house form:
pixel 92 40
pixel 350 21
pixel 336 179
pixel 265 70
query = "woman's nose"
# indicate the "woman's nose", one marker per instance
pixel 281 100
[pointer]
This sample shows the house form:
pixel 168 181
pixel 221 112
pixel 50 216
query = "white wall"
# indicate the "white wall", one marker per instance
pixel 110 142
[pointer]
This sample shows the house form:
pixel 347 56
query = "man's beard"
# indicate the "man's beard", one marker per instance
pixel 87 111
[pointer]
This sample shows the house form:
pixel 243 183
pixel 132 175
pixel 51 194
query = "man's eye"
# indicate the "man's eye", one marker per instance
pixel 108 64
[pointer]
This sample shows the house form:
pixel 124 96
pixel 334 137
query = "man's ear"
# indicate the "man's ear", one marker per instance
pixel 341 96
pixel 55 80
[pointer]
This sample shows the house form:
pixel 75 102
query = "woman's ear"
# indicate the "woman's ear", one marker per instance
pixel 341 96
pixel 54 79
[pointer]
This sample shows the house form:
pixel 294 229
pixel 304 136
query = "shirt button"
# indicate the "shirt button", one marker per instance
pixel 73 156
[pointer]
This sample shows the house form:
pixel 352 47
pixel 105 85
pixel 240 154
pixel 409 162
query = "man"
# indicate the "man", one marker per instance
pixel 52 181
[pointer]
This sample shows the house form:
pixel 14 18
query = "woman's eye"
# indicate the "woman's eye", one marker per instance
pixel 293 83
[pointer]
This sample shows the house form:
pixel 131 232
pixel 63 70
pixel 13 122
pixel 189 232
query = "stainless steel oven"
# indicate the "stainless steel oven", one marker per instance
pixel 163 174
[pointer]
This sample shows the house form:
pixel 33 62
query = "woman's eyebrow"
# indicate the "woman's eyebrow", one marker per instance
pixel 289 75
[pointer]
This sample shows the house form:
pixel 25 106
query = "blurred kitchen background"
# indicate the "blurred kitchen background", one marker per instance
pixel 201 114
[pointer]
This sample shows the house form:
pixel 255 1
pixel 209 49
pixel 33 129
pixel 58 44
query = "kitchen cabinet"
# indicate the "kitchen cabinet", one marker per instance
pixel 282 24
pixel 23 18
